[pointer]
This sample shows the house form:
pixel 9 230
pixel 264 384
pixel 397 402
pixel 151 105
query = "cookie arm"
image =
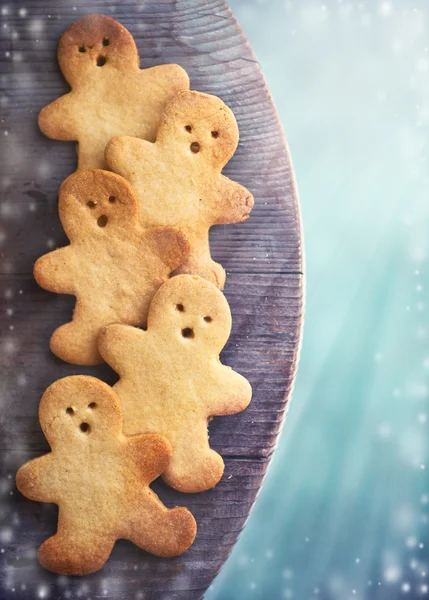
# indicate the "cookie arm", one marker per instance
pixel 152 453
pixel 54 272
pixel 235 202
pixel 57 121
pixel 35 479
pixel 168 243
pixel 172 78
pixel 124 154
pixel 115 343
pixel 230 392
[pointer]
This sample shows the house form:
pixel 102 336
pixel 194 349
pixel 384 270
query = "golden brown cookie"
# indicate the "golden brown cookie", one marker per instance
pixel 113 266
pixel 178 179
pixel 100 480
pixel 171 380
pixel 110 95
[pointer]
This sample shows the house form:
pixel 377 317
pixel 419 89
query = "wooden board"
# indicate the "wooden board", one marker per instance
pixel 263 259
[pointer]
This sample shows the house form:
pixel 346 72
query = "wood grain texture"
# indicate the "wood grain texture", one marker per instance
pixel 262 257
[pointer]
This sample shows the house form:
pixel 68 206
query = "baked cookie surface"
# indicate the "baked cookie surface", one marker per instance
pixel 171 380
pixel 110 95
pixel 113 265
pixel 178 178
pixel 100 480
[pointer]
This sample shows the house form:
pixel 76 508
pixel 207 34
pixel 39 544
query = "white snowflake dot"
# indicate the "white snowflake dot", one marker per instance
pixel 6 534
pixel 392 574
pixel 36 26
pixel 385 9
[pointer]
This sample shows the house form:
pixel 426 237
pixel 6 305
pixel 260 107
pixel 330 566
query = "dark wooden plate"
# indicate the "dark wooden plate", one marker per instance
pixel 262 257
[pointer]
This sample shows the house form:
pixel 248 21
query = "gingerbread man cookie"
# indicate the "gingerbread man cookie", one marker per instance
pixel 113 266
pixel 100 480
pixel 171 380
pixel 110 95
pixel 178 179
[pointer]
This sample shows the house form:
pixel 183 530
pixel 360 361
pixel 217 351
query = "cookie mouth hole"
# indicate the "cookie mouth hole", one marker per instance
pixel 215 134
pixel 91 204
pixel 85 428
pixel 106 42
pixel 70 411
pixel 112 199
pixel 102 221
pixel 208 319
pixel 180 307
pixel 92 405
pixel 188 128
pixel 101 61
pixel 188 332
pixel 195 147
pixel 82 49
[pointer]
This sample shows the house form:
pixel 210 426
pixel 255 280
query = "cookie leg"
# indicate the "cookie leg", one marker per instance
pixel 162 531
pixel 74 553
pixel 207 269
pixel 195 467
pixel 199 262
pixel 77 342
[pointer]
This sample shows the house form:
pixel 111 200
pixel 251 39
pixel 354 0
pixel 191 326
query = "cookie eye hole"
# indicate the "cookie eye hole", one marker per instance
pixel 85 428
pixel 215 134
pixel 101 61
pixel 112 199
pixel 82 49
pixel 208 319
pixel 195 147
pixel 180 307
pixel 106 42
pixel 102 221
pixel 188 128
pixel 92 405
pixel 188 332
pixel 91 204
pixel 70 411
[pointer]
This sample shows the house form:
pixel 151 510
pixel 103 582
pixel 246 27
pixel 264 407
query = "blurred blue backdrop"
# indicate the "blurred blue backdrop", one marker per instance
pixel 343 513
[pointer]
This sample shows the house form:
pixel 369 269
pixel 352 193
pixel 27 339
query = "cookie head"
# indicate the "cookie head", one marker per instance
pixel 96 200
pixel 79 409
pixel 93 45
pixel 193 313
pixel 202 126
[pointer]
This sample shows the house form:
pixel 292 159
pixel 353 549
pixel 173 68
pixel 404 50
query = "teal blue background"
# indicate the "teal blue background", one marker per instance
pixel 343 513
